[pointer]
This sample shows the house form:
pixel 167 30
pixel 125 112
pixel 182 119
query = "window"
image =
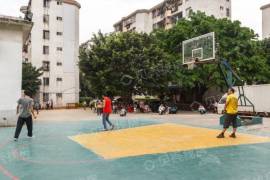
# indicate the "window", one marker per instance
pixel 59 49
pixel 25 48
pixel 45 49
pixel 177 17
pixel 188 11
pixel 46 34
pixel 174 9
pixel 46 18
pixel 154 14
pixel 46 3
pixel 46 81
pixel 59 33
pixel 160 24
pixel 119 28
pixel 59 79
pixel 155 26
pixel 221 8
pixel 59 64
pixel 59 95
pixel 59 2
pixel 228 12
pixel 46 66
pixel 58 18
pixel 45 97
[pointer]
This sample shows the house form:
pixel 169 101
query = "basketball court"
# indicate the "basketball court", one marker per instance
pixel 148 147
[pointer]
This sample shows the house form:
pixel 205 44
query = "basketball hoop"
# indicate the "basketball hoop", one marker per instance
pixel 199 50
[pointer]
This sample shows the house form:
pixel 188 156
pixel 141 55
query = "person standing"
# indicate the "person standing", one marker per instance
pixel 99 107
pixel 91 105
pixel 47 105
pixel 84 105
pixel 231 111
pixel 25 111
pixel 107 110
pixel 51 104
pixel 114 108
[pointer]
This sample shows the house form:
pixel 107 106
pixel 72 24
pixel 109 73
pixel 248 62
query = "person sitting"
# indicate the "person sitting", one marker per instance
pixel 123 112
pixel 147 108
pixel 130 109
pixel 161 109
pixel 115 107
pixel 201 109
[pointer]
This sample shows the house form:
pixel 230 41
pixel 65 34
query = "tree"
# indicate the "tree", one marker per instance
pixel 30 78
pixel 266 49
pixel 239 45
pixel 127 63
pixel 124 63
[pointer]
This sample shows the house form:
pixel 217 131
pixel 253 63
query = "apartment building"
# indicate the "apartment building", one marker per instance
pixel 13 34
pixel 54 46
pixel 168 12
pixel 265 21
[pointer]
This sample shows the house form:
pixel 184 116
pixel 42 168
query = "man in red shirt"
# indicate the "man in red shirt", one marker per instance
pixel 107 110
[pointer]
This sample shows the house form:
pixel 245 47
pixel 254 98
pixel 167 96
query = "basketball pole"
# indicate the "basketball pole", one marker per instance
pixel 229 75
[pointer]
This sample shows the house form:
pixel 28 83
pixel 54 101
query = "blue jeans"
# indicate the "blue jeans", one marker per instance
pixel 105 120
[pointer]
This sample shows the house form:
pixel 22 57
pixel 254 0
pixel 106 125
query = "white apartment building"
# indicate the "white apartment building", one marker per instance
pixel 265 21
pixel 138 20
pixel 54 46
pixel 13 34
pixel 167 13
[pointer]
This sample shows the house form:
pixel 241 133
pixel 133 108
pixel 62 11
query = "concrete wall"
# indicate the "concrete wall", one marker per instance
pixel 143 23
pixel 211 7
pixel 11 40
pixel 71 54
pixel 266 23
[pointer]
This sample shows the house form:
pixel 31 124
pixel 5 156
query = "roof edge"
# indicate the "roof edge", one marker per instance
pixel 265 6
pixel 72 2
pixel 14 20
pixel 132 14
pixel 26 25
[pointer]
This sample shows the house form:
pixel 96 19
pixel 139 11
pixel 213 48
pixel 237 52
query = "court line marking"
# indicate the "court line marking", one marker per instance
pixel 7 173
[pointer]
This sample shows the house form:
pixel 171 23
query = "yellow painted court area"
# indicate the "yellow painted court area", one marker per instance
pixel 155 139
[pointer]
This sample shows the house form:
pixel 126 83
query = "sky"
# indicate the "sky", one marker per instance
pixel 98 15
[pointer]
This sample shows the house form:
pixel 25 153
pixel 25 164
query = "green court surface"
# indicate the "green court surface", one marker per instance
pixel 52 155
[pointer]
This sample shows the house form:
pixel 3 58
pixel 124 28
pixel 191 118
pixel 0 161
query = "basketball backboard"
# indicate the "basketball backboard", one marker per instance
pixel 201 48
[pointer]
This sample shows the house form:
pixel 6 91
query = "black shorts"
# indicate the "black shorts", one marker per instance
pixel 230 119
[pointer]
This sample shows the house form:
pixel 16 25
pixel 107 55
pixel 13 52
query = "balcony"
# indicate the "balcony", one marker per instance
pixel 129 21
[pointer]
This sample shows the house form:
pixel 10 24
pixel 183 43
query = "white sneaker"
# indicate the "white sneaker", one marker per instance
pixel 29 137
pixel 15 139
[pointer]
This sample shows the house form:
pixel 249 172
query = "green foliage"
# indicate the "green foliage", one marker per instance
pixel 126 63
pixel 238 45
pixel 85 99
pixel 30 78
pixel 265 44
pixel 85 87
